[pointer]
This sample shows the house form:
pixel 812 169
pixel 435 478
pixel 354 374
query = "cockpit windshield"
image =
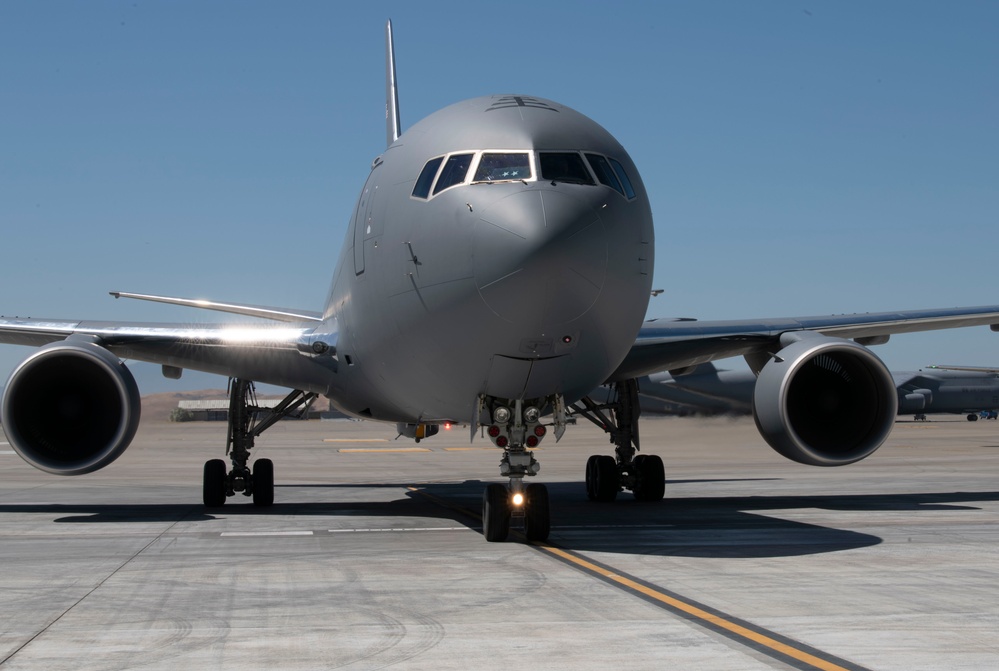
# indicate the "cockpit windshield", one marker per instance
pixel 564 166
pixel 497 167
pixel 494 166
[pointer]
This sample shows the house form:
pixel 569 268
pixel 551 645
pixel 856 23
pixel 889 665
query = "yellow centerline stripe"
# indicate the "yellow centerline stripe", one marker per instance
pixel 699 613
pixel 683 606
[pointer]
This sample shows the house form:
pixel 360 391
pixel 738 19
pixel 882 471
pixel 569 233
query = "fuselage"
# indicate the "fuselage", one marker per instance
pixel 503 246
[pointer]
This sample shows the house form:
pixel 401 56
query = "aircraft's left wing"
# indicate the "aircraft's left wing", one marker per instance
pixel 264 352
pixel 967 369
pixel 681 344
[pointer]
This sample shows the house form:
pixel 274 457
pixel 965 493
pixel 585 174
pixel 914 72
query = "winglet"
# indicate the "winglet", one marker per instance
pixel 392 123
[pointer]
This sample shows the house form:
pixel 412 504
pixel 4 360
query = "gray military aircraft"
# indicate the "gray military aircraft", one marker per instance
pixel 497 267
pixel 936 390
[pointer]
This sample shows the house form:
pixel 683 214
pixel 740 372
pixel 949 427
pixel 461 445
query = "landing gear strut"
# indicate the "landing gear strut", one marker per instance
pixel 516 430
pixel 246 422
pixel 643 474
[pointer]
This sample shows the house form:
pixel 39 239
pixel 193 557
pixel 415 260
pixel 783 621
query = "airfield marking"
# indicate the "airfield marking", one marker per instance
pixel 355 440
pixel 398 529
pixel 762 640
pixel 258 534
pixel 381 450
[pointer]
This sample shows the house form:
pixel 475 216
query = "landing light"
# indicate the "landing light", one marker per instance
pixel 501 415
pixel 531 414
pixel 517 499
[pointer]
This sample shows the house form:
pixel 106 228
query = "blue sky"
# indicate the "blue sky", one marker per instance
pixel 802 158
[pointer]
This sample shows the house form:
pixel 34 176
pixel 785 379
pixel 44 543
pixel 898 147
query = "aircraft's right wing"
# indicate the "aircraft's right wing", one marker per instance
pixel 679 345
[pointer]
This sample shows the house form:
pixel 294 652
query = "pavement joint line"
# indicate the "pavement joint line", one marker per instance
pixel 770 643
pixel 96 587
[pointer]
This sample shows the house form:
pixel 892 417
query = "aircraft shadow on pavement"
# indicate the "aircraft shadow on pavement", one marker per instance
pixel 705 527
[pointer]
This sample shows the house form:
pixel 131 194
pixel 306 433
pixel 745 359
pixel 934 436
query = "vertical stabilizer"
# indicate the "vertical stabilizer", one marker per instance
pixel 392 126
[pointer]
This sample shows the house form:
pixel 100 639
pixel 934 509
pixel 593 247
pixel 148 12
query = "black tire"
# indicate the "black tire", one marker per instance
pixel 591 477
pixel 495 513
pixel 214 485
pixel 263 482
pixel 650 478
pixel 972 418
pixel 537 513
pixel 606 479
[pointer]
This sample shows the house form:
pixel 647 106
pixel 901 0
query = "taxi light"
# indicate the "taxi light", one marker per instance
pixel 501 414
pixel 517 499
pixel 540 431
pixel 531 414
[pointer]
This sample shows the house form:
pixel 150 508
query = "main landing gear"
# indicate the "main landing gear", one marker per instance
pixel 246 422
pixel 643 474
pixel 517 430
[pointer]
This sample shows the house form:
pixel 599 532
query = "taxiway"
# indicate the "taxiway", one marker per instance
pixel 372 557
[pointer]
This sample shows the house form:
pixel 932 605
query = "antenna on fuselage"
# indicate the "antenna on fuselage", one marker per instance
pixel 392 126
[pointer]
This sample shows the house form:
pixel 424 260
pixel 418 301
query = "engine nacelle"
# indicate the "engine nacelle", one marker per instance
pixel 70 408
pixel 825 401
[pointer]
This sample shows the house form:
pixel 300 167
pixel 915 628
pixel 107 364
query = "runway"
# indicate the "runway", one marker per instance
pixel 372 556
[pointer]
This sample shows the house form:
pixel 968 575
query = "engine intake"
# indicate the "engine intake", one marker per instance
pixel 70 408
pixel 825 401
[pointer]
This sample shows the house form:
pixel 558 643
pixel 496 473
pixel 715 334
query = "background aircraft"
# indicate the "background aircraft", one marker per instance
pixel 497 266
pixel 936 390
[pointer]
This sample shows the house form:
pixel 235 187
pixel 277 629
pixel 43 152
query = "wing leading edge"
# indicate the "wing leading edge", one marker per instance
pixel 677 345
pixel 266 352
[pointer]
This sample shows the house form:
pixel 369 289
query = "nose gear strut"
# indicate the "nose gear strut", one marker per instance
pixel 516 430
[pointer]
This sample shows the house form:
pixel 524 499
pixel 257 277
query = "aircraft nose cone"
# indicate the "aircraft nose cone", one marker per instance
pixel 540 257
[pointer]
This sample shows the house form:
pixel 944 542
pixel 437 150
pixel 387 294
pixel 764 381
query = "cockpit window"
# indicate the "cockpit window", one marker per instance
pixel 422 188
pixel 604 171
pixel 564 166
pixel 454 171
pixel 496 167
pixel 623 176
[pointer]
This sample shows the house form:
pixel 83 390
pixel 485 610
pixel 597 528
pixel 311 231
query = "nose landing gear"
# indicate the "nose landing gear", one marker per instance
pixel 516 431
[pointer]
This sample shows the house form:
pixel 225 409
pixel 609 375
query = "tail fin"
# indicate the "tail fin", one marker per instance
pixel 392 123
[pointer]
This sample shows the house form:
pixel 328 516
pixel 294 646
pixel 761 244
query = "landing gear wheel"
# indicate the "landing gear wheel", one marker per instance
pixel 591 477
pixel 537 515
pixel 214 483
pixel 972 417
pixel 495 513
pixel 602 479
pixel 263 482
pixel 650 478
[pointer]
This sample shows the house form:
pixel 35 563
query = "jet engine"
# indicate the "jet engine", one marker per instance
pixel 824 401
pixel 70 408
